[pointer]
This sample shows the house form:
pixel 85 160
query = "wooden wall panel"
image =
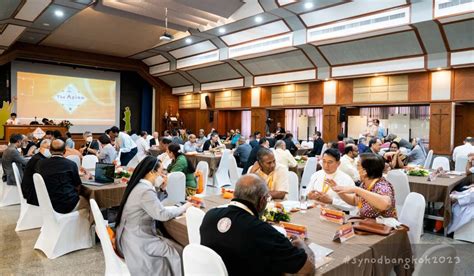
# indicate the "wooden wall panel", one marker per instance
pixel 463 84
pixel 440 127
pixel 259 116
pixel 316 93
pixel 195 119
pixel 463 123
pixel 164 102
pixel 419 87
pixel 246 97
pixel 344 94
pixel 265 97
pixel 331 124
pixel 277 116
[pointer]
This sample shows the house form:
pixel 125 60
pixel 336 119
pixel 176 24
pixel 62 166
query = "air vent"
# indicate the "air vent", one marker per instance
pixel 373 22
pixel 262 45
pixel 453 7
pixel 198 59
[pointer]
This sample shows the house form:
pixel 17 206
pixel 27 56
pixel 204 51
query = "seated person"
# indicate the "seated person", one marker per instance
pixel 283 156
pixel 12 155
pixel 417 156
pixel 470 164
pixel 349 163
pixel 248 245
pixel 322 182
pixel 255 139
pixel 290 145
pixel 191 146
pixel 362 144
pixel 155 140
pixel 69 142
pixel 107 152
pixel 275 175
pixel 142 146
pixel 164 157
pixel 91 146
pixel 212 143
pixel 179 163
pixel 394 158
pixel 375 197
pixel 12 120
pixel 242 152
pixel 375 145
pixel 340 143
pixel 28 146
pixel 235 138
pixel 317 145
pixel 253 154
pixel 27 184
pixel 62 180
pixel 146 250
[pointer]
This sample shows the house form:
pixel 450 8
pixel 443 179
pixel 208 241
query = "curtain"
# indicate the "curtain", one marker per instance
pixel 416 112
pixel 291 119
pixel 246 123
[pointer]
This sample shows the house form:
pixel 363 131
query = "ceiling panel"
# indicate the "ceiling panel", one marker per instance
pixel 193 49
pixel 48 21
pixel 375 48
pixel 300 7
pixel 8 7
pixel 94 31
pixel 460 35
pixel 214 73
pixel 10 34
pixel 266 30
pixel 175 80
pixel 289 61
pixel 155 60
pixel 32 37
pixel 32 9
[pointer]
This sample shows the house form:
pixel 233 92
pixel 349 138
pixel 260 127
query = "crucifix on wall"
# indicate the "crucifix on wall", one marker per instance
pixel 435 114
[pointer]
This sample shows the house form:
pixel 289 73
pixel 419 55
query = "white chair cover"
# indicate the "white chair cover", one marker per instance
pixel 234 172
pixel 323 149
pixel 294 187
pixel 89 161
pixel 221 176
pixel 203 166
pixel 399 181
pixel 309 169
pixel 176 188
pixel 114 265
pixel 199 260
pixel 60 233
pixel 465 233
pixel 429 158
pixel 30 215
pixel 412 215
pixel 438 252
pixel 8 193
pixel 194 217
pixel 134 162
pixel 461 163
pixel 442 162
pixel 304 144
pixel 310 144
pixel 76 159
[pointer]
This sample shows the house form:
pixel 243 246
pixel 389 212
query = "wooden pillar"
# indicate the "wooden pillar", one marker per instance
pixel 441 127
pixel 259 117
pixel 331 124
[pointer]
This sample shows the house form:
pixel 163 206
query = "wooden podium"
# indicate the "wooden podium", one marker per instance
pixel 25 129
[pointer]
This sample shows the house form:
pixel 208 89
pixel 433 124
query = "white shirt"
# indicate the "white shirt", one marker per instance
pixel 278 179
pixel 12 122
pixel 284 158
pixel 164 159
pixel 316 183
pixel 462 150
pixel 142 148
pixel 126 142
pixel 349 166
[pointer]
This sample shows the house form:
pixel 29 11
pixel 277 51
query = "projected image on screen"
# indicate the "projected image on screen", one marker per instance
pixel 82 101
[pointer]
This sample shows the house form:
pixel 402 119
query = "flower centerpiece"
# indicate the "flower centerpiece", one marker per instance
pixel 275 213
pixel 418 172
pixel 65 123
pixel 120 172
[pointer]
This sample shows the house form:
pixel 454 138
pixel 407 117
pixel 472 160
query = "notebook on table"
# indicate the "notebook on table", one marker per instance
pixel 104 174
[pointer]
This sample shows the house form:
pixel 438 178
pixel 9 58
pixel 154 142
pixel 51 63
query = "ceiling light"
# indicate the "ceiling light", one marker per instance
pixel 326 79
pixel 308 5
pixel 221 30
pixel 188 40
pixel 439 68
pixel 46 24
pixel 59 13
pixel 376 75
pixel 258 19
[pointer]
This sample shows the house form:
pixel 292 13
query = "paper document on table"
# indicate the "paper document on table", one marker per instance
pixel 320 251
